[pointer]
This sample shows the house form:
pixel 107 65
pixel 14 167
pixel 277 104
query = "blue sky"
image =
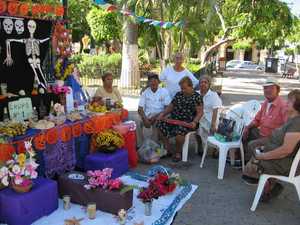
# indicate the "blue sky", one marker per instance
pixel 295 6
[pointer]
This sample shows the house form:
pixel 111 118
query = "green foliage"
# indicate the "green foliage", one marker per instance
pixel 95 66
pixel 244 44
pixel 77 11
pixel 104 25
pixel 289 51
pixel 193 67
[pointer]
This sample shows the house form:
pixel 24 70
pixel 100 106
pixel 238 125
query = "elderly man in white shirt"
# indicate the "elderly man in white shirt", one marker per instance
pixel 211 103
pixel 152 102
pixel 173 74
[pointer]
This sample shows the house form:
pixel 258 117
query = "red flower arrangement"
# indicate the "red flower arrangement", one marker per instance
pixel 161 185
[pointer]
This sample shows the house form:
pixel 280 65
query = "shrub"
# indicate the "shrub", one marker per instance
pixel 95 65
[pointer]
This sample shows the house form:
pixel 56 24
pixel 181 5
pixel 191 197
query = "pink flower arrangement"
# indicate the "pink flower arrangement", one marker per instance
pixel 102 179
pixel 60 89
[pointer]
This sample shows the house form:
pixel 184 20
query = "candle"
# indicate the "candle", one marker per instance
pixel 67 202
pixel 91 210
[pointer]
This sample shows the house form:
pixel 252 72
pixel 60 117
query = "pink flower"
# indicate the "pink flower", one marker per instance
pixel 33 175
pixel 108 171
pixel 90 173
pixel 115 184
pixel 28 145
pixel 26 182
pixel 18 180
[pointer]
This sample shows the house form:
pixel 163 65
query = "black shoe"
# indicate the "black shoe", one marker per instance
pixel 250 180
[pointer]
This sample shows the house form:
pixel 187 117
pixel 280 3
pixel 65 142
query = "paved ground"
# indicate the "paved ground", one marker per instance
pixel 228 201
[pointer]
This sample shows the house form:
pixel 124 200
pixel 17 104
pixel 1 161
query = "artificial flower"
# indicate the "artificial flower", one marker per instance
pixel 4 181
pixel 18 180
pixel 3 171
pixel 28 145
pixel 21 159
pixel 33 175
pixel 16 169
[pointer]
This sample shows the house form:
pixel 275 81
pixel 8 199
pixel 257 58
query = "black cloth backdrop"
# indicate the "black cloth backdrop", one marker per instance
pixel 20 75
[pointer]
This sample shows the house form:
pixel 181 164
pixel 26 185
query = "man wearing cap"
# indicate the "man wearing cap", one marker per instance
pixel 272 115
pixel 152 102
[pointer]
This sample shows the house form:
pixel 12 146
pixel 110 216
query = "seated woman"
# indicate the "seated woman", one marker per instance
pixel 186 107
pixel 107 90
pixel 211 104
pixel 278 151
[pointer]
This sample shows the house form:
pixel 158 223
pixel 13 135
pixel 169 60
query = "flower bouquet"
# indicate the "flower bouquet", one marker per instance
pixel 63 69
pixel 102 179
pixel 20 170
pixel 108 141
pixel 161 185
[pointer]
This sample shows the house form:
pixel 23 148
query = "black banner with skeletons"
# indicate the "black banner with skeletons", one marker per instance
pixel 24 44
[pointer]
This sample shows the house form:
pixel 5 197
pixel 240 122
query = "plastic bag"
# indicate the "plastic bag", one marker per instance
pixel 150 152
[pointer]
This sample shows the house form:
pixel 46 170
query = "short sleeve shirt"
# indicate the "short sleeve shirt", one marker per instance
pixel 172 78
pixel 154 102
pixel 115 96
pixel 277 138
pixel 185 106
pixel 211 101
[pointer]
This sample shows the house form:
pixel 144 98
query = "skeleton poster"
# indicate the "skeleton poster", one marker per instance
pixel 24 44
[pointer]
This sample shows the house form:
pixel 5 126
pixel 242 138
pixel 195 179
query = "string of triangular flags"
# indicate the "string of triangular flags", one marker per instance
pixel 139 19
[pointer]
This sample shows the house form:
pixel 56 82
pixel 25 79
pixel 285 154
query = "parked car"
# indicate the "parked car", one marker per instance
pixel 244 65
pixel 233 63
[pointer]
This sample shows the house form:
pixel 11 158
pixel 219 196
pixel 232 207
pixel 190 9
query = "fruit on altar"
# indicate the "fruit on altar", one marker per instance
pixel 13 129
pixel 97 105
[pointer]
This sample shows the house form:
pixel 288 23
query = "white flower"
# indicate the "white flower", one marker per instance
pixel 3 171
pixel 87 186
pixel 28 145
pixel 16 169
pixel 4 181
pixel 18 180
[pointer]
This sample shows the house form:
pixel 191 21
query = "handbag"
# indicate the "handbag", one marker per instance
pixel 226 128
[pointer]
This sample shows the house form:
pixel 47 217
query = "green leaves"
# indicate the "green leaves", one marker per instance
pixel 104 25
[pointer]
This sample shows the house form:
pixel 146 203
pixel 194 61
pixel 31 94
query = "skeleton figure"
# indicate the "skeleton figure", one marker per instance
pixel 19 26
pixel 32 46
pixel 8 25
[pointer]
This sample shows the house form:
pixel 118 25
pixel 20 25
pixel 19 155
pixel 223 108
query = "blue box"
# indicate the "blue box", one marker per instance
pixel 118 161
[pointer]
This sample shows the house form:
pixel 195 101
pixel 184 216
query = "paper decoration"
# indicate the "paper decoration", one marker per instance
pixel 20 110
pixel 17 8
pixel 140 19
pixel 100 2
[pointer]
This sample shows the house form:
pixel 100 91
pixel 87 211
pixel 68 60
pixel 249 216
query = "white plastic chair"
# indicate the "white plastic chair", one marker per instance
pixel 224 147
pixel 185 147
pixel 292 178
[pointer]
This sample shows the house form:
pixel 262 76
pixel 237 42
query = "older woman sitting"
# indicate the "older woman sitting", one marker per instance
pixel 275 154
pixel 186 108
pixel 107 90
pixel 211 104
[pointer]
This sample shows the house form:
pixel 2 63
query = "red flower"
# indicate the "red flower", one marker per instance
pixel 36 9
pixel 24 9
pixel 13 8
pixel 2 7
pixel 59 11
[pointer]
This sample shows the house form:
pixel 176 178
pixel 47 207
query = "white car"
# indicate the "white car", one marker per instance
pixel 243 65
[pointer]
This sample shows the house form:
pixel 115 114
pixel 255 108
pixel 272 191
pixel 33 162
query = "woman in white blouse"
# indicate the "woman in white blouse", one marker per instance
pixel 171 75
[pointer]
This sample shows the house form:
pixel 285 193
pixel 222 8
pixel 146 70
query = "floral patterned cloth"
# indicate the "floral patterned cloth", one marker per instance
pixel 184 110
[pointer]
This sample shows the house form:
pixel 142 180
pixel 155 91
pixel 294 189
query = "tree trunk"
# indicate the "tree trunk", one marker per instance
pixel 130 75
pixel 211 48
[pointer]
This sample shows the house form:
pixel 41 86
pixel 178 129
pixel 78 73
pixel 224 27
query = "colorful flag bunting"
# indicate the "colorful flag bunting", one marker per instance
pixel 140 19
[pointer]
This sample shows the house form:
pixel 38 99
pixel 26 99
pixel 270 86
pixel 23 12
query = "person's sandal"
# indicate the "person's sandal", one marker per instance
pixel 176 158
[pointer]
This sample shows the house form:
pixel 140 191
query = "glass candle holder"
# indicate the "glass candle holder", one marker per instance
pixel 67 202
pixel 91 210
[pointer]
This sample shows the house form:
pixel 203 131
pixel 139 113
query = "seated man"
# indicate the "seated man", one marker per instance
pixel 272 115
pixel 278 151
pixel 211 104
pixel 152 102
